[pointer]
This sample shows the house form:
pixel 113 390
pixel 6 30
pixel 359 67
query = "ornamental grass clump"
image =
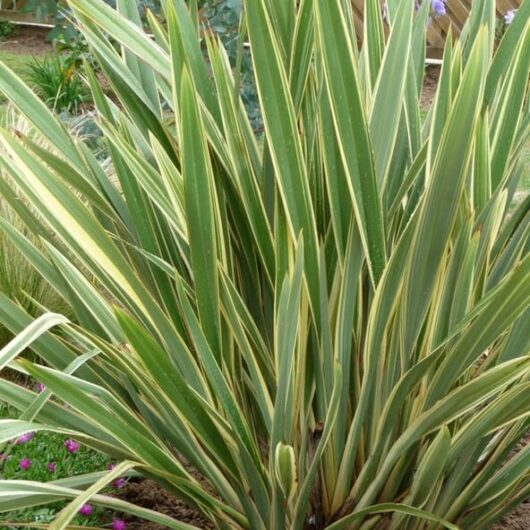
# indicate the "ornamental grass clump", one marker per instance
pixel 18 279
pixel 323 327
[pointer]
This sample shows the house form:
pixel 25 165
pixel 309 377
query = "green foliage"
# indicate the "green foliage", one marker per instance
pixel 328 324
pixel 42 450
pixel 17 63
pixel 6 28
pixel 223 17
pixel 57 81
pixel 18 279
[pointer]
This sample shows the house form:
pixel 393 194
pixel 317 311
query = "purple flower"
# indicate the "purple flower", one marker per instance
pixel 71 446
pixel 438 6
pixel 118 524
pixel 26 437
pixel 52 466
pixel 510 15
pixel 110 467
pixel 39 387
pixel 86 510
pixel 119 483
pixel 24 464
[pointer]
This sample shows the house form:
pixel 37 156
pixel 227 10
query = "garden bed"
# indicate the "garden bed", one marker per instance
pixel 148 494
pixel 27 40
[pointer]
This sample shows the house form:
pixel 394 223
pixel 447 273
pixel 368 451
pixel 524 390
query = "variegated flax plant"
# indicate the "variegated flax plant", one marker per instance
pixel 324 325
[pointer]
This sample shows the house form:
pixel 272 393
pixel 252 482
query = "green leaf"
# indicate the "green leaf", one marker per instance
pixel 446 173
pixel 389 91
pixel 24 339
pixel 200 203
pixel 344 523
pixel 349 116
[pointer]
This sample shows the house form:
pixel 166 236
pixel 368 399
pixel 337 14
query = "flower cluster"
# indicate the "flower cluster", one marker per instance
pixel 509 16
pixel 26 437
pixel 438 7
pixel 87 509
pixel 71 446
pixel 24 464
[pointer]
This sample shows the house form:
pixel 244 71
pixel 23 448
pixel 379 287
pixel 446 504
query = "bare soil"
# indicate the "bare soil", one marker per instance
pixel 27 40
pixel 148 494
pixel 519 519
pixel 430 84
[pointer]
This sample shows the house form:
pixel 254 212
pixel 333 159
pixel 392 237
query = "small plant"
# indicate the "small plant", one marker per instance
pixel 6 29
pixel 74 50
pixel 57 82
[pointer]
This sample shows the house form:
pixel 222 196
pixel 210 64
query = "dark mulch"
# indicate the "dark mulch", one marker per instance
pixel 148 494
pixel 430 84
pixel 519 519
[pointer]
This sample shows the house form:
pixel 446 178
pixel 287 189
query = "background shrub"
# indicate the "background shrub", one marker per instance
pixel 6 28
pixel 57 81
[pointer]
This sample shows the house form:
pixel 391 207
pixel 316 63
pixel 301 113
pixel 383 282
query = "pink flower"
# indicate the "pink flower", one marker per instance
pixel 52 466
pixel 25 463
pixel 118 524
pixel 25 437
pixel 86 510
pixel 39 387
pixel 110 467
pixel 71 446
pixel 119 483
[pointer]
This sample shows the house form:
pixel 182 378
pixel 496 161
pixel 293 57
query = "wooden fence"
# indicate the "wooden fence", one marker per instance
pixel 457 13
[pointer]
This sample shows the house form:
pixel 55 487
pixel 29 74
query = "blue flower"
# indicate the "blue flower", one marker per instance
pixel 438 6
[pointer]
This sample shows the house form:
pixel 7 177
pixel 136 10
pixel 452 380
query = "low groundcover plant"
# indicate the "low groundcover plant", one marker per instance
pixel 325 326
